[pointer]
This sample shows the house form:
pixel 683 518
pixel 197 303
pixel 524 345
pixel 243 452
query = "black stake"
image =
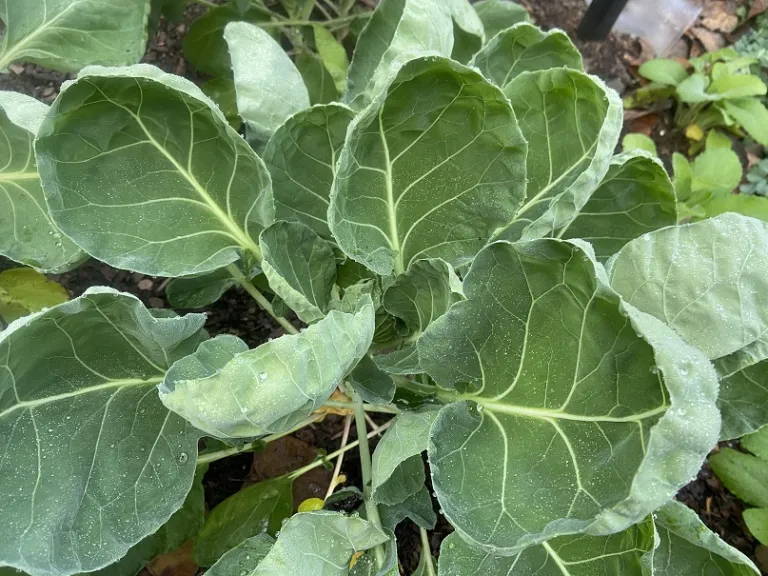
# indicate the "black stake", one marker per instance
pixel 600 18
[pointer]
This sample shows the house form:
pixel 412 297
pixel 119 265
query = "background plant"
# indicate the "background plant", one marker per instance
pixel 531 314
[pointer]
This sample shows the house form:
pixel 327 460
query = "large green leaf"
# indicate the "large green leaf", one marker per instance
pixel 706 280
pixel 301 157
pixel 687 546
pixel 23 290
pixel 568 403
pixel 418 507
pixel 27 234
pixel 300 267
pixel 524 48
pixel 635 197
pixel 257 508
pixel 497 15
pixel 268 86
pixel 626 553
pixel 319 82
pixel 143 171
pixel 743 398
pixel 373 384
pixel 319 544
pixel 204 44
pixel 429 170
pixel 399 30
pixel 403 362
pixel 401 446
pixel 200 290
pixel 422 294
pixel 243 559
pixel 92 462
pixel 550 104
pixel 69 34
pixel 229 391
pixel 468 31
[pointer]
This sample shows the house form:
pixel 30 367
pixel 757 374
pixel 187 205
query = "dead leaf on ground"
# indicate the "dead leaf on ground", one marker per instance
pixel 758 7
pixel 176 563
pixel 711 41
pixel 643 124
pixel 716 17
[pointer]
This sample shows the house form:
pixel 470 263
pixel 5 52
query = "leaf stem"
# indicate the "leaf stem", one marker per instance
pixel 219 454
pixel 371 509
pixel 205 3
pixel 332 22
pixel 426 552
pixel 340 460
pixel 260 299
pixel 384 408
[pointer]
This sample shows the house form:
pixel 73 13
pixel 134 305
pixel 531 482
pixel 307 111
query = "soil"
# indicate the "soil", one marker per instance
pixel 235 313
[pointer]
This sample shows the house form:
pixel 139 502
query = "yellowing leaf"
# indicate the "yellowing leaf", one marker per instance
pixel 311 504
pixel 23 291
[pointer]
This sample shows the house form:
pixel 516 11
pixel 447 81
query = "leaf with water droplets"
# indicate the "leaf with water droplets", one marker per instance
pixel 243 558
pixel 568 403
pixel 229 391
pixel 94 462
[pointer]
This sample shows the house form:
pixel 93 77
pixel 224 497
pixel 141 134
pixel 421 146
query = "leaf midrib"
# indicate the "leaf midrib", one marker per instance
pixel 15 176
pixel 123 383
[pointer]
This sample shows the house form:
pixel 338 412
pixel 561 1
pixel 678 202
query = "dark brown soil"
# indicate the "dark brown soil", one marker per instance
pixel 236 313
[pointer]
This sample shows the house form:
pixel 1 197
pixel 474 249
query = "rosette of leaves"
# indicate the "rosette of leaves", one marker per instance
pixel 466 252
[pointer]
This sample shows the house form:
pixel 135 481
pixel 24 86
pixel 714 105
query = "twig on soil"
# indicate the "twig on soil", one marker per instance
pixel 337 470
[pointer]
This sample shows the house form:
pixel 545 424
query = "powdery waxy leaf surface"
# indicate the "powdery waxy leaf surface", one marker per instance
pixel 525 48
pixel 635 197
pixel 319 544
pixel 569 403
pixel 69 34
pixel 550 104
pixel 688 547
pixel 229 391
pixel 268 86
pixel 706 280
pixel 626 553
pixel 143 171
pixel 497 15
pixel 468 30
pixel 743 398
pixel 92 462
pixel 300 267
pixel 301 157
pixel 429 170
pixel 243 558
pixel 27 234
pixel 398 31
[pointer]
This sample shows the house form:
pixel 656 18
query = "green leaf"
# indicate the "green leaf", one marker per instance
pixel 688 547
pixel 706 280
pixel 751 115
pixel 257 508
pixel 298 9
pixel 316 77
pixel 200 290
pixel 418 507
pixel 222 92
pixel 626 553
pixel 663 71
pixel 737 86
pixel 756 520
pixel 525 48
pixel 96 463
pixel 23 290
pixel 683 176
pixel 635 197
pixel 468 31
pixel 229 391
pixel 204 45
pixel 716 171
pixel 69 34
pixel 398 31
pixel 399 453
pixel 319 543
pixel 561 179
pixel 27 234
pixel 333 56
pixel 757 443
pixel 497 15
pixel 143 171
pixel 743 474
pixel 243 558
pixel 373 384
pixel 367 564
pixel 300 267
pixel 569 404
pixel 754 206
pixel 743 398
pixel 422 294
pixel 268 86
pixel 301 157
pixel 693 89
pixel 403 362
pixel 427 177
pixel 637 141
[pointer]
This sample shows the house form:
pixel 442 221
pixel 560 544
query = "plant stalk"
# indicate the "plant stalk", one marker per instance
pixel 332 22
pixel 426 551
pixel 371 509
pixel 260 299
pixel 383 408
pixel 340 460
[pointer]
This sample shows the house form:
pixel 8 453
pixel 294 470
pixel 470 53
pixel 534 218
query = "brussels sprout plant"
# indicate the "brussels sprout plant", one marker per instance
pixel 465 253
